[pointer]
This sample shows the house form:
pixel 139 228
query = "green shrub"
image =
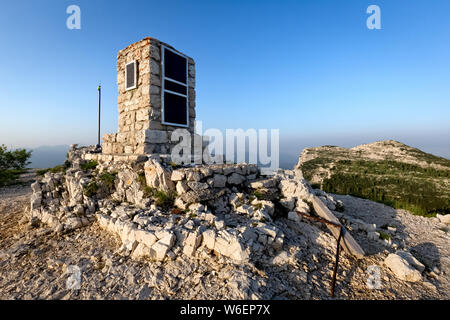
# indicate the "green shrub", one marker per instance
pixel 108 179
pixel 173 164
pixel 67 164
pixel 257 206
pixel 41 172
pixel 258 194
pixel 89 165
pixel 8 177
pixel 13 159
pixel 12 164
pixel 55 169
pixel 422 191
pixel 148 192
pixel 91 189
pixel 384 235
pixel 163 199
pixel 141 179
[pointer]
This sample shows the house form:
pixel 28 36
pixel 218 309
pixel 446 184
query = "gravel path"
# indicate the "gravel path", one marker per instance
pixel 426 238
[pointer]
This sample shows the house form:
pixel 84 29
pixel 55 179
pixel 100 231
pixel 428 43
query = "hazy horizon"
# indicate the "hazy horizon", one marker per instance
pixel 50 155
pixel 329 80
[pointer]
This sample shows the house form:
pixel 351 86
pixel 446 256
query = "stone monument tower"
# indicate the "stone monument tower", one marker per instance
pixel 156 86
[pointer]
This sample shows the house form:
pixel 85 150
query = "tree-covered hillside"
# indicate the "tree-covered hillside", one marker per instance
pixel 387 172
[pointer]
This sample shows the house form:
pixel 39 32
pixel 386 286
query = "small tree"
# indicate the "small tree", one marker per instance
pixel 11 162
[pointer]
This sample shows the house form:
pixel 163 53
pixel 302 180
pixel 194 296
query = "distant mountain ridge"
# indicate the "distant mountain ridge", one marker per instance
pixel 385 171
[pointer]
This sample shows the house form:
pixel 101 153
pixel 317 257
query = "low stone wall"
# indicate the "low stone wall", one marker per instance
pixel 227 209
pixel 109 158
pixel 158 235
pixel 58 201
pixel 147 141
pixel 203 183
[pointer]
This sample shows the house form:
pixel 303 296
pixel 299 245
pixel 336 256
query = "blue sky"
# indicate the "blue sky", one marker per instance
pixel 310 68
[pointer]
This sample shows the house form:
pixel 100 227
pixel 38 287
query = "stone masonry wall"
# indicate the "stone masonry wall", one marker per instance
pixel 140 129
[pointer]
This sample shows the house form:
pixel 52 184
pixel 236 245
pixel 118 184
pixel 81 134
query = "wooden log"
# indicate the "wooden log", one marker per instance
pixel 348 242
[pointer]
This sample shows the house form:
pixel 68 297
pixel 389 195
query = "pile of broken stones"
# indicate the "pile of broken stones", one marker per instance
pixel 229 210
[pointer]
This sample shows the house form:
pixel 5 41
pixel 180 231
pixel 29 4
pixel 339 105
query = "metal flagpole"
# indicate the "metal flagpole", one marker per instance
pixel 99 88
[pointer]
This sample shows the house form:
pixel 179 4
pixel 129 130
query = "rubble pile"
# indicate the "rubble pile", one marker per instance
pixel 220 216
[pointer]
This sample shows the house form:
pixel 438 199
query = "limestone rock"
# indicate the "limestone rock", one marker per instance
pixel 281 259
pixel 209 238
pixel 288 203
pixel 220 181
pixel 411 260
pixel 193 176
pixel 245 209
pixel 159 250
pixel 179 203
pixel 156 176
pixel 71 223
pixel 302 206
pixel 292 215
pixel 249 234
pixel 145 237
pixel 140 251
pixel 236 199
pixel 36 187
pixel 230 246
pixel 268 230
pixel 197 207
pixel 266 206
pixel 177 175
pixel 206 172
pixel 191 243
pixel 402 268
pixel 36 199
pixel 228 170
pixel 197 186
pixel 444 218
pixel 182 187
pixel 264 183
pixel 197 196
pixel 236 179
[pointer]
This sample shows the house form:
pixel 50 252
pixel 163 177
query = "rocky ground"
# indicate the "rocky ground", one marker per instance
pixel 322 163
pixel 36 262
pixel 380 150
